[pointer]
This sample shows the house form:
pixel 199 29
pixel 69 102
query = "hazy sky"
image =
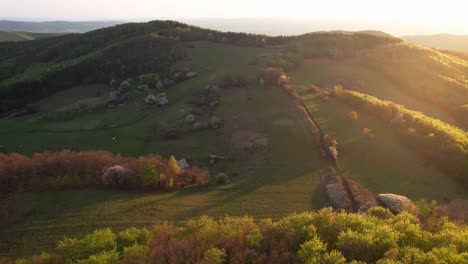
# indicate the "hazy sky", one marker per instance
pixel 451 14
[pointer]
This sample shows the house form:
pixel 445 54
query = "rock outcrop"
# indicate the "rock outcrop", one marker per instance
pixel 396 203
pixel 336 191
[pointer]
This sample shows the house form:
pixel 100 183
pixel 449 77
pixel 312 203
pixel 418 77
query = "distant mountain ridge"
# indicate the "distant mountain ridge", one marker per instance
pixel 441 41
pixel 24 36
pixel 55 26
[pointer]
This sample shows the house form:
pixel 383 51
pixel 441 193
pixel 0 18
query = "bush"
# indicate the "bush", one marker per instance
pixel 353 115
pixel 337 90
pixel 271 76
pixel 367 132
pixel 314 89
pixel 221 178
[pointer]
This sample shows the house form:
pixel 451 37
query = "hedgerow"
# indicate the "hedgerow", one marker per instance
pixel 67 169
pixel 443 144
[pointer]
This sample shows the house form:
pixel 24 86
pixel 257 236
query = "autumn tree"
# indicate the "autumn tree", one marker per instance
pixel 173 167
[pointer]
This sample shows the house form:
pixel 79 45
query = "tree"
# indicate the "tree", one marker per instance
pixel 311 250
pixel 332 257
pixel 149 176
pixel 173 167
pixel 214 256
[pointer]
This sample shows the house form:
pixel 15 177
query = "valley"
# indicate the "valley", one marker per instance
pixel 261 140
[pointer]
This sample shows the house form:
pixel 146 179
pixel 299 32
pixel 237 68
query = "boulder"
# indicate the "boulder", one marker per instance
pixel 214 103
pixel 396 203
pixel 177 76
pixel 113 83
pixel 215 122
pixel 191 74
pixel 159 85
pixel 336 191
pixel 200 125
pixel 142 87
pixel 161 101
pixel 190 118
pixel 150 99
pixel 125 84
pixel 333 152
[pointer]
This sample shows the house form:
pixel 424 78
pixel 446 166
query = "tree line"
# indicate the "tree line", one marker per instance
pixel 321 236
pixel 67 169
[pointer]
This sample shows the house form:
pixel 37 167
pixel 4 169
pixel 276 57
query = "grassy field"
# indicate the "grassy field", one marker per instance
pixel 382 164
pixel 275 181
pixel 353 74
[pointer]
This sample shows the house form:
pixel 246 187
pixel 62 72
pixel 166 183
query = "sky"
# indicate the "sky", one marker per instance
pixel 448 15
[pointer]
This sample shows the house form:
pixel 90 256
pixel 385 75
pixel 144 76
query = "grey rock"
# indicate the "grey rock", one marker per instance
pixel 396 203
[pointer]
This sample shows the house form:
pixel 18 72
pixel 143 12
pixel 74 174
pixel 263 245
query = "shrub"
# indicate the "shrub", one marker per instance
pixel 271 76
pixel 337 90
pixel 353 115
pixel 221 178
pixel 314 89
pixel 367 132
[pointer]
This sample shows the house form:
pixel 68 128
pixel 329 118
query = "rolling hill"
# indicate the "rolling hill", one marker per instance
pixel 24 36
pixel 441 41
pixel 55 95
pixel 54 26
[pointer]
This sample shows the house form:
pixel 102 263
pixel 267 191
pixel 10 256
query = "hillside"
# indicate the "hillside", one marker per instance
pixel 54 26
pixel 167 88
pixel 24 36
pixel 441 41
